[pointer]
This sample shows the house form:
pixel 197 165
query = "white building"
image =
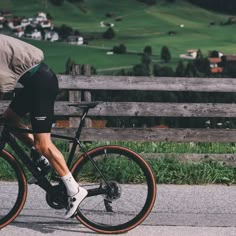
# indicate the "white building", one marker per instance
pixel 191 54
pixel 78 40
pixel 34 35
pixel 25 22
pixel 51 36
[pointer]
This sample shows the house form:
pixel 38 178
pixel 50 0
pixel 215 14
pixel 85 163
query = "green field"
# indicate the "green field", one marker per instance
pixel 141 25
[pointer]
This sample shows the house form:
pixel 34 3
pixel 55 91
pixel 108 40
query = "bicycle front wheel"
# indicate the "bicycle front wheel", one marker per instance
pixel 13 188
pixel 125 196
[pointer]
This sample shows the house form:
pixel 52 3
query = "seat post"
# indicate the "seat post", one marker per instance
pixel 82 121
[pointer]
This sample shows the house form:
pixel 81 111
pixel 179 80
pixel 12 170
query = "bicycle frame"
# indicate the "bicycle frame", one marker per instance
pixel 9 138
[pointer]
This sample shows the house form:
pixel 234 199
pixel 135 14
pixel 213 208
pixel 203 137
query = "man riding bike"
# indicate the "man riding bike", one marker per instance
pixel 22 62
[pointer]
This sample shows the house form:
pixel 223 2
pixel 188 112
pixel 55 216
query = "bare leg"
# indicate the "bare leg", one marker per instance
pixel 13 119
pixel 45 147
pixel 42 142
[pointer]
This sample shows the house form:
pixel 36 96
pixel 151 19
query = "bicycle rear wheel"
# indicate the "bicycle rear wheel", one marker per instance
pixel 13 188
pixel 132 189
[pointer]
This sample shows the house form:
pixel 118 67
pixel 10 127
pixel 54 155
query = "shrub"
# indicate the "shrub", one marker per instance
pixel 121 49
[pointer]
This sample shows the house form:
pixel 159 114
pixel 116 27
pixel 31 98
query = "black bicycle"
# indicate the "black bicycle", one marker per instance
pixel 116 202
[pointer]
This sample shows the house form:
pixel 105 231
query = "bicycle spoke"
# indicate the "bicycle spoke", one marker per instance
pixel 127 196
pixel 12 189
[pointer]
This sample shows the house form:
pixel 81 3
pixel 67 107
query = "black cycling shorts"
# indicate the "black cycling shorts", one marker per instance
pixel 37 98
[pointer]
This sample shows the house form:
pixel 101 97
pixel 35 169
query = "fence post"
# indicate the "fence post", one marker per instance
pixel 74 96
pixel 87 94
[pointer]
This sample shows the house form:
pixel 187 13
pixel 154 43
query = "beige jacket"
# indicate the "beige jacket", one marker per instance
pixel 16 58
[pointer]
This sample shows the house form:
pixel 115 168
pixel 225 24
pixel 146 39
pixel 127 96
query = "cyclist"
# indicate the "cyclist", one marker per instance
pixel 22 62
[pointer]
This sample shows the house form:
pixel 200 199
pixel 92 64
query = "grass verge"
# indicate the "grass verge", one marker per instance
pixel 168 170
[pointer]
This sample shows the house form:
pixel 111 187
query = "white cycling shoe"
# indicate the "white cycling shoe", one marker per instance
pixel 74 201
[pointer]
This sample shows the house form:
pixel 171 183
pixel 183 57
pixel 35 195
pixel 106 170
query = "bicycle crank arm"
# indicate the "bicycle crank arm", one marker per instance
pixel 96 191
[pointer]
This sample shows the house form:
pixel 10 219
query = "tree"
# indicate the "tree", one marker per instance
pixel 166 71
pixel 49 16
pixel 202 64
pixel 148 50
pixel 205 67
pixel 57 2
pixel 69 65
pixel 121 49
pixel 148 2
pixel 214 54
pixel 165 54
pixel 190 70
pixel 141 70
pixel 146 60
pixel 29 29
pixel 64 31
pixel 156 68
pixel 199 55
pixel 163 71
pixel 74 1
pixel 219 5
pixel 109 33
pixel 180 69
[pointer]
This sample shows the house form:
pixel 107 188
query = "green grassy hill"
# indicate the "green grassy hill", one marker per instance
pixel 141 25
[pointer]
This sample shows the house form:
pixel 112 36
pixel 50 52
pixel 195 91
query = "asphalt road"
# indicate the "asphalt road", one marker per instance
pixel 179 210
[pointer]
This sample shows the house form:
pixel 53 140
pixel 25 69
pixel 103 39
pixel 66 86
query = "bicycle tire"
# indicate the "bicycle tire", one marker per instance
pixel 13 188
pixel 92 212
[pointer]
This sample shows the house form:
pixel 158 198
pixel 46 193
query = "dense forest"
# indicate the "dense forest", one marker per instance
pixel 226 6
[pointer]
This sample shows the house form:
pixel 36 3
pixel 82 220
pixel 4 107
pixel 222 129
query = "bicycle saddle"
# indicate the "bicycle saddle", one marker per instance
pixel 84 104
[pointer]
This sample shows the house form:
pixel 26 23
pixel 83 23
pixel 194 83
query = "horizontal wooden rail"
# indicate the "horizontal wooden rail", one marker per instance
pixel 153 134
pixel 147 83
pixel 145 109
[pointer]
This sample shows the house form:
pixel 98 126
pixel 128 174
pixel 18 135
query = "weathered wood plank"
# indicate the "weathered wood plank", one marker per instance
pixel 139 109
pixel 147 83
pixel 152 134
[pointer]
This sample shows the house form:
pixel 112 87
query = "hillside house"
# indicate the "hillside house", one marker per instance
pixel 19 32
pixel 78 40
pixel 6 13
pixel 215 65
pixel 14 23
pixel 34 35
pixel 190 54
pixel 2 19
pixel 230 60
pixel 25 22
pixel 51 36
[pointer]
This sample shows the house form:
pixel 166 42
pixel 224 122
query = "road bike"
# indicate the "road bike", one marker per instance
pixel 121 186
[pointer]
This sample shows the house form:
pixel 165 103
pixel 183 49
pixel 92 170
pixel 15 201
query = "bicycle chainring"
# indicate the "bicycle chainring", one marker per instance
pixel 58 198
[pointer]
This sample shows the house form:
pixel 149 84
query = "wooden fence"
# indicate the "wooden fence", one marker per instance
pixel 89 83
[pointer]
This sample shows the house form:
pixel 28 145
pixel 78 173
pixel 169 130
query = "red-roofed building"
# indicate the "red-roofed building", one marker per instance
pixel 215 64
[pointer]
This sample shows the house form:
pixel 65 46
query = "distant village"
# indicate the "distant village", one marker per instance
pixel 38 27
pixel 41 27
pixel 216 59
